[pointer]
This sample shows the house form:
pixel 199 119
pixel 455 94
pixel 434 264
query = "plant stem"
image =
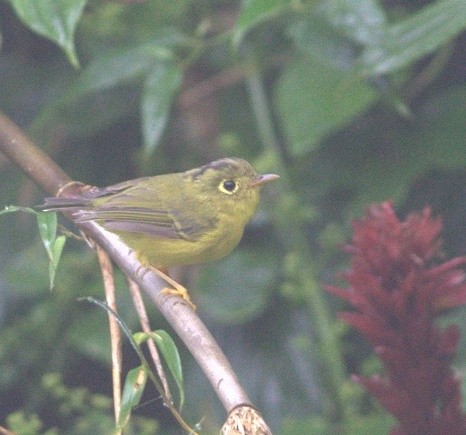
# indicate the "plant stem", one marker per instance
pixel 294 238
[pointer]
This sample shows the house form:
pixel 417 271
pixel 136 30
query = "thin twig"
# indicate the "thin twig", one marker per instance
pixel 224 79
pixel 206 88
pixel 115 333
pixel 144 320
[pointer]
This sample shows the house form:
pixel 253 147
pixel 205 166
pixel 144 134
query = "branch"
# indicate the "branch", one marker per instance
pixel 31 159
pixel 106 269
pixel 38 166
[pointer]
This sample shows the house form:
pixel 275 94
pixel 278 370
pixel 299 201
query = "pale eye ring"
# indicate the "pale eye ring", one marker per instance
pixel 228 186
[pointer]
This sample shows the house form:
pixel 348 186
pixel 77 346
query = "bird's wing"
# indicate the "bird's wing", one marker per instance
pixel 138 208
pixel 151 222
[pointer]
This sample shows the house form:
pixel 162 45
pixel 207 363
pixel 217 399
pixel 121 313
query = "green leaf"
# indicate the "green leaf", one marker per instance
pixel 334 31
pixel 121 65
pixel 414 37
pixel 361 20
pixel 317 38
pixel 170 354
pixel 314 100
pixel 256 12
pixel 160 89
pixel 80 106
pixel 47 223
pixel 57 250
pixel 172 357
pixel 84 115
pixel 132 392
pixel 54 19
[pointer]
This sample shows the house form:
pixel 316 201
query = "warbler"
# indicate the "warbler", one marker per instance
pixel 174 219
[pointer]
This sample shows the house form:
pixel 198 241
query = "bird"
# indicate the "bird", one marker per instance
pixel 174 219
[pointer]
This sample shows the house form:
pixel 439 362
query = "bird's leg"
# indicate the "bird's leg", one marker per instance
pixel 177 290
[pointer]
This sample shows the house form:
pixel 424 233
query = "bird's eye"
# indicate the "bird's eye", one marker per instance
pixel 228 186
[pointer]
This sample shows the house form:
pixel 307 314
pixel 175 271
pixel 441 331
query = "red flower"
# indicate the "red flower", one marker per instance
pixel 398 292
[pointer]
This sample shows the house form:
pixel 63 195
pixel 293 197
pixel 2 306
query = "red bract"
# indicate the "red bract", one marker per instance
pixel 397 292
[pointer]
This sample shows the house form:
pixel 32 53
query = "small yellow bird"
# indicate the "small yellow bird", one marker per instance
pixel 182 218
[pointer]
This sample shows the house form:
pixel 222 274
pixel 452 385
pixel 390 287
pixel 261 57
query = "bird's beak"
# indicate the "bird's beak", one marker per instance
pixel 261 179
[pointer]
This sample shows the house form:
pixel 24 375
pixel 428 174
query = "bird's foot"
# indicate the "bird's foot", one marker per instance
pixel 177 290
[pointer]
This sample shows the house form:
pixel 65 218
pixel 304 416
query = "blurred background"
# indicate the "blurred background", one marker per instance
pixel 350 102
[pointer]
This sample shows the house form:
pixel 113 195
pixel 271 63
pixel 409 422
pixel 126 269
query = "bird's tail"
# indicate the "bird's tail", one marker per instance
pixel 57 203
